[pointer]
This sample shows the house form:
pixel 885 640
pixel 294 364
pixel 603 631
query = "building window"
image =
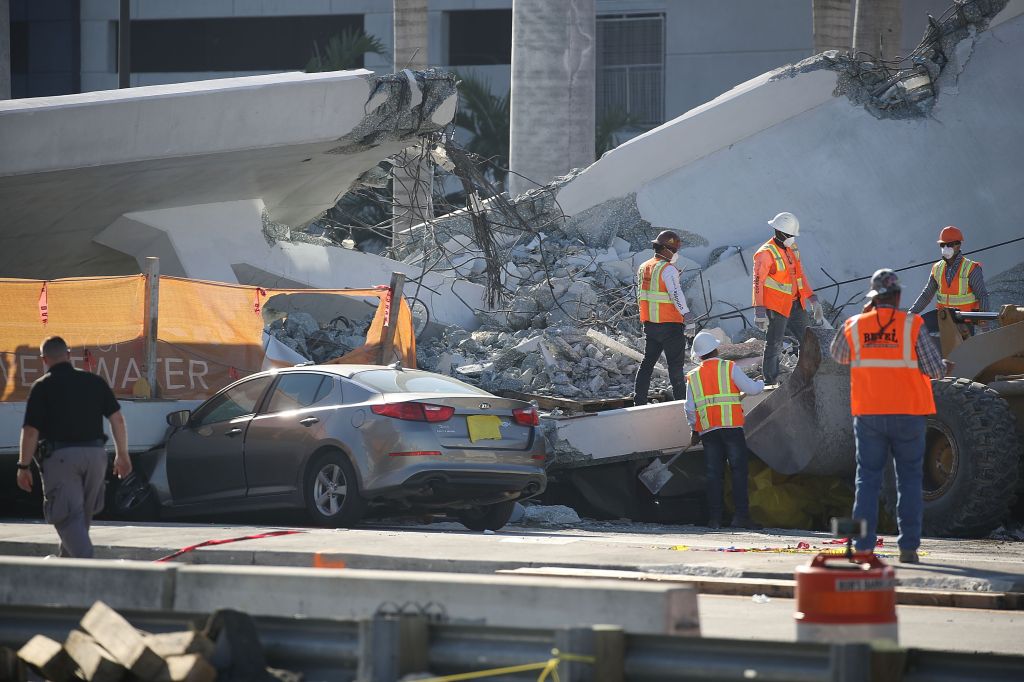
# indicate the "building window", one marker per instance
pixel 477 37
pixel 631 67
pixel 233 44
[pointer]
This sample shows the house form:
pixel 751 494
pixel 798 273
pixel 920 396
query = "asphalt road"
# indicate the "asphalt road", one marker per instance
pixel 975 565
pixel 920 627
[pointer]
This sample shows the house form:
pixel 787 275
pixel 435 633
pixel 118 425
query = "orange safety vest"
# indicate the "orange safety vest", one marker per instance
pixel 958 293
pixel 786 283
pixel 715 395
pixel 652 295
pixel 884 375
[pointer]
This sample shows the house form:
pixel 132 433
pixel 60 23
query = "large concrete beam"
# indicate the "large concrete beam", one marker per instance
pixel 73 165
pixel 352 594
pixel 553 80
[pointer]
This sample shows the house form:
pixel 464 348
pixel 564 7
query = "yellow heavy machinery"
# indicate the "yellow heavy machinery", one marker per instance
pixel 972 469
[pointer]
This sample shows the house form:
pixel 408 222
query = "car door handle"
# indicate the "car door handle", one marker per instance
pixel 233 432
pixel 309 421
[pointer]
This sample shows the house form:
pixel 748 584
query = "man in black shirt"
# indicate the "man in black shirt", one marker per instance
pixel 66 407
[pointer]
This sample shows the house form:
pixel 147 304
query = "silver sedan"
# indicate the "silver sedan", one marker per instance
pixel 337 439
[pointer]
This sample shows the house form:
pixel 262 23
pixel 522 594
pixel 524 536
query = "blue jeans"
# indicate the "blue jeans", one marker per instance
pixel 877 436
pixel 720 445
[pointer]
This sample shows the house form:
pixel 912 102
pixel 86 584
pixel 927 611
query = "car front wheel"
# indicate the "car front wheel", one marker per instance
pixel 332 491
pixel 490 517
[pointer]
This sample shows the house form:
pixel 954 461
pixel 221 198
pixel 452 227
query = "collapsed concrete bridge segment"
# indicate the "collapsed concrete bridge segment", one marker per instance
pixel 73 165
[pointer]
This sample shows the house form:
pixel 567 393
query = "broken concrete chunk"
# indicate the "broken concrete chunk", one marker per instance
pixel 48 658
pixel 95 664
pixel 125 644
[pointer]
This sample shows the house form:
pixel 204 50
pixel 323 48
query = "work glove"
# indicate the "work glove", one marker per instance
pixel 816 310
pixel 761 323
pixel 694 438
pixel 690 330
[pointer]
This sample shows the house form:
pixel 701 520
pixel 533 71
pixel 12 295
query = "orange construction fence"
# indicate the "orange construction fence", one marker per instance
pixel 208 333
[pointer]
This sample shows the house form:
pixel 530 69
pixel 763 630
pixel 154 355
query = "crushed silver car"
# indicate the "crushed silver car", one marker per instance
pixel 339 439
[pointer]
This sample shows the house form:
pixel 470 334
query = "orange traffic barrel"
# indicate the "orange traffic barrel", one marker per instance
pixel 846 599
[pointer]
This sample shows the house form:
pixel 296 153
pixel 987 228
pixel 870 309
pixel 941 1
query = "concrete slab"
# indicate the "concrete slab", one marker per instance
pixel 350 594
pixel 491 600
pixel 955 564
pixel 56 582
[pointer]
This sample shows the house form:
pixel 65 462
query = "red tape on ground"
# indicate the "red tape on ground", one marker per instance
pixel 211 543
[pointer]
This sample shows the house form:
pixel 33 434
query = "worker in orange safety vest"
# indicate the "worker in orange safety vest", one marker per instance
pixel 955 280
pixel 891 363
pixel 715 416
pixel 782 294
pixel 666 318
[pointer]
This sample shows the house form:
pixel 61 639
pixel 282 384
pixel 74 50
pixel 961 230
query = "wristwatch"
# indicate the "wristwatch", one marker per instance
pixel 23 467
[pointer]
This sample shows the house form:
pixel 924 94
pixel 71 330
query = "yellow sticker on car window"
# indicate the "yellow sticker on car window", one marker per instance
pixel 484 427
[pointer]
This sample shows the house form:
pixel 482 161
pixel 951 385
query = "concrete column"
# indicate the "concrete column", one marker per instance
pixel 411 187
pixel 410 34
pixel 833 25
pixel 553 61
pixel 5 49
pixel 877 27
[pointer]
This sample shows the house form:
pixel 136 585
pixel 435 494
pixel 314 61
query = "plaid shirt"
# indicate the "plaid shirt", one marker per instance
pixel 929 360
pixel 976 281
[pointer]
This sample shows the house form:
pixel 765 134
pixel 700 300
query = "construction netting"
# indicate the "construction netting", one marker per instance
pixel 208 333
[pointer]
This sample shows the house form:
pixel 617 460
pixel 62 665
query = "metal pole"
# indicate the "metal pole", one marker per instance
pixel 152 317
pixel 610 653
pixel 124 45
pixel 387 345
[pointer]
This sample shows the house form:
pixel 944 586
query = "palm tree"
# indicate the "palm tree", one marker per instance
pixel 609 123
pixel 486 117
pixel 344 51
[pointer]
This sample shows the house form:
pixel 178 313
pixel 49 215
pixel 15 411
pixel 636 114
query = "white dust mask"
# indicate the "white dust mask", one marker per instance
pixel 675 257
pixel 789 241
pixel 947 252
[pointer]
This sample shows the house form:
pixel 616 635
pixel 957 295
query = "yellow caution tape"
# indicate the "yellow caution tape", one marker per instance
pixel 548 668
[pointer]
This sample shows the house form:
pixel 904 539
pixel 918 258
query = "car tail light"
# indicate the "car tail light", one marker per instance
pixel 526 416
pixel 415 412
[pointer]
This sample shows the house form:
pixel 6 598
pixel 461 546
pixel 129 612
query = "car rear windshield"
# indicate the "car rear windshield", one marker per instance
pixel 411 381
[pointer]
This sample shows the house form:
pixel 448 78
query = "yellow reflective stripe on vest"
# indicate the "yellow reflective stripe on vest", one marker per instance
pixel 725 398
pixel 963 296
pixel 907 362
pixel 780 266
pixel 652 296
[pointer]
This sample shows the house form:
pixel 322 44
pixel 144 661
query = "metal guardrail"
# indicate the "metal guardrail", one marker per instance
pixel 387 647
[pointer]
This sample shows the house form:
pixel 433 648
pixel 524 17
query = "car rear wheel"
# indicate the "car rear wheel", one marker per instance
pixel 332 491
pixel 489 517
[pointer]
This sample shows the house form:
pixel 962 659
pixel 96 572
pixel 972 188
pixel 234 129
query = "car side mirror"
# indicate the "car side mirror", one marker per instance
pixel 179 418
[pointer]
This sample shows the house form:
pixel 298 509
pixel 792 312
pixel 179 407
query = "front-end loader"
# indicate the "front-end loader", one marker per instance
pixel 972 465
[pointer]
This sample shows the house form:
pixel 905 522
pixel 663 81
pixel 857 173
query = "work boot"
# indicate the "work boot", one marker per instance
pixel 909 556
pixel 745 522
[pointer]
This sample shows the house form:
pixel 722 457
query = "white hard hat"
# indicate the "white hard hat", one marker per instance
pixel 704 343
pixel 786 222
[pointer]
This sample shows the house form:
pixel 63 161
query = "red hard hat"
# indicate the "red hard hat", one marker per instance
pixel 950 234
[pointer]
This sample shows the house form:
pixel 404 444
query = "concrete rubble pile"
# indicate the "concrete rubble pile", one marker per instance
pixel 306 336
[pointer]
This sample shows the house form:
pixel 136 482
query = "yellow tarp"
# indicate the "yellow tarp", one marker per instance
pixel 208 333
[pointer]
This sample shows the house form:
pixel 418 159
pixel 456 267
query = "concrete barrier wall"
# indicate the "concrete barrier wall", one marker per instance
pixel 514 601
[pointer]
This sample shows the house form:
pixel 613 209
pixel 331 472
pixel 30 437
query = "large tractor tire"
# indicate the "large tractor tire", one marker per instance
pixel 971 462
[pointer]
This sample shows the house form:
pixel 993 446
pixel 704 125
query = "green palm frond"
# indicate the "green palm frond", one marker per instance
pixel 344 51
pixel 487 118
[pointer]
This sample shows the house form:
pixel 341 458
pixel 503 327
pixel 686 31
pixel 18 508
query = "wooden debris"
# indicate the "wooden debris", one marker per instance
pixel 48 658
pixel 179 644
pixel 125 644
pixel 94 663
pixel 190 668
